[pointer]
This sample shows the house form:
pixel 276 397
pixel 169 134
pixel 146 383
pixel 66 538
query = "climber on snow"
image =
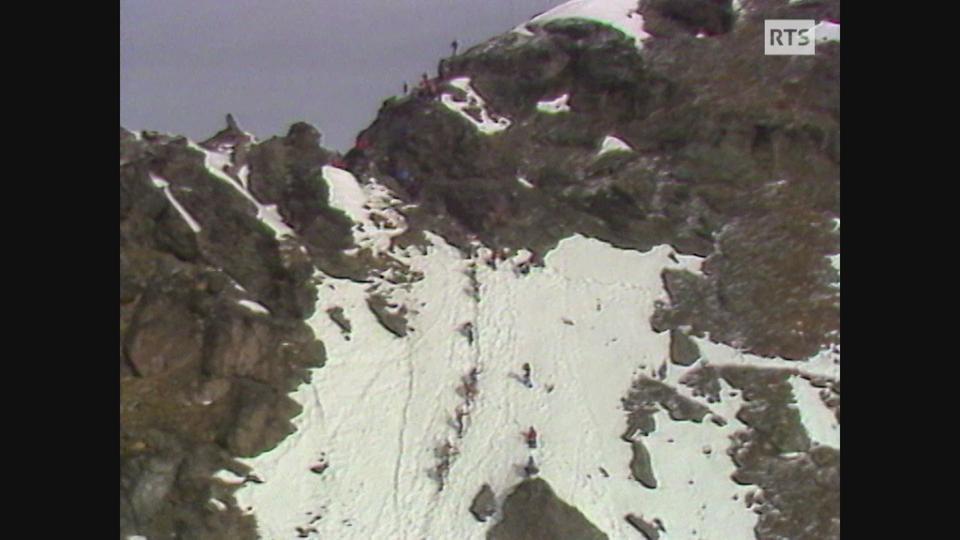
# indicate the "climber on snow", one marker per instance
pixel 531 437
pixel 526 375
pixel 531 468
pixel 473 376
pixel 460 415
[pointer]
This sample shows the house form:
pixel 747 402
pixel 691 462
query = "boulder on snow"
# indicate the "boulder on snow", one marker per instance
pixel 640 466
pixel 534 512
pixel 484 504
pixel 648 530
pixel 683 351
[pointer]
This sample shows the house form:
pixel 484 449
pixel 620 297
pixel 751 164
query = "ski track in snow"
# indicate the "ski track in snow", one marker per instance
pixel 382 404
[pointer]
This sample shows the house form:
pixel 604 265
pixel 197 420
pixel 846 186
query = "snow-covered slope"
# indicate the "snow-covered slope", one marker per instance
pixel 381 406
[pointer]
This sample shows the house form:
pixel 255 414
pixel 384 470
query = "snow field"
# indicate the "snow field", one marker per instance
pixel 381 405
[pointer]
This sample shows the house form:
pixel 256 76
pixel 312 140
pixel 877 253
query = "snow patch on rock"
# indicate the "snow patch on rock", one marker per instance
pixel 165 186
pixel 218 164
pixel 826 31
pixel 255 307
pixel 613 144
pixel 487 124
pixel 554 106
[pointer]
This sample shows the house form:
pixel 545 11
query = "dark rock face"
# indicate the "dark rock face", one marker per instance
pixel 203 378
pixel 672 17
pixel 164 334
pixel 288 171
pixel 484 504
pixel 747 272
pixel 533 512
pixel 799 483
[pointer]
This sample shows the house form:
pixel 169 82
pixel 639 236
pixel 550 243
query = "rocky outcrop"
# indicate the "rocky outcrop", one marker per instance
pixel 647 396
pixel 733 155
pixel 212 309
pixel 799 483
pixel 532 511
pixel 691 17
pixel 683 351
pixel 484 504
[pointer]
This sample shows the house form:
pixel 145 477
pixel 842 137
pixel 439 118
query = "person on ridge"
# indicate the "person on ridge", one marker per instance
pixel 470 392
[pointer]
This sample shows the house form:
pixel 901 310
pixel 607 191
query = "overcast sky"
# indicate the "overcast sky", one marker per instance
pixel 184 64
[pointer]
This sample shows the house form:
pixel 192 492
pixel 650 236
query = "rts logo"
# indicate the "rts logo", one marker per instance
pixel 788 37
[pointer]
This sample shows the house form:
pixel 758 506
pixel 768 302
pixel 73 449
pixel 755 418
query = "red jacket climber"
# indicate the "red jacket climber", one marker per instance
pixel 531 437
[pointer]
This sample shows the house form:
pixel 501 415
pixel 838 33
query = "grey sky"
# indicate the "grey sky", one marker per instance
pixel 184 64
